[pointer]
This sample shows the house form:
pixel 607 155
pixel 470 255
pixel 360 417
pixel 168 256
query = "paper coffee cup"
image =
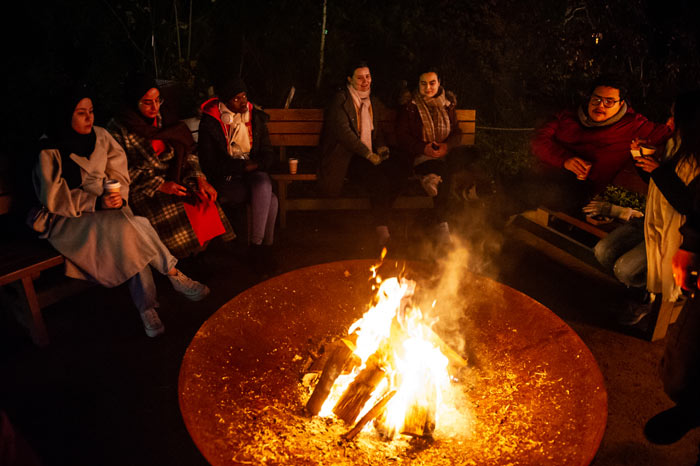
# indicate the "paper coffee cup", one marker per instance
pixel 648 150
pixel 112 186
pixel 293 164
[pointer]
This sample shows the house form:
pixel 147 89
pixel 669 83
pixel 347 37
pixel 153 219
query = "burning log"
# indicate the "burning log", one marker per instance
pixel 454 357
pixel 340 359
pixel 359 391
pixel 419 420
pixel 376 410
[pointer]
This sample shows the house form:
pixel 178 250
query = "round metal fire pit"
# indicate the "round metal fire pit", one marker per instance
pixel 536 395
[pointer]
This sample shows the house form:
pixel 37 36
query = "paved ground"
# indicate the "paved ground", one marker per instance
pixel 104 394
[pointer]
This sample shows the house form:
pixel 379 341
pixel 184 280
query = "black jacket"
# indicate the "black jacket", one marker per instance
pixel 213 154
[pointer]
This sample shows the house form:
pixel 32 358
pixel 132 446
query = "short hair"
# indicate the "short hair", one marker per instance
pixel 428 69
pixel 611 80
pixel 350 70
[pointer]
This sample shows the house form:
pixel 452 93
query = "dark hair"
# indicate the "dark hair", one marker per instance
pixel 611 80
pixel 427 69
pixel 350 70
pixel 686 117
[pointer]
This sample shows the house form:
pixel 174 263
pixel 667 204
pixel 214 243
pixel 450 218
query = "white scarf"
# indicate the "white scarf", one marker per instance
pixel 237 137
pixel 363 106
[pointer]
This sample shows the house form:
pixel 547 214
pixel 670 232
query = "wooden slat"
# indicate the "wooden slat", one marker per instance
pixel 294 139
pixel 295 177
pixel 467 127
pixel 31 269
pixel 294 127
pixel 466 115
pixel 467 140
pixel 295 114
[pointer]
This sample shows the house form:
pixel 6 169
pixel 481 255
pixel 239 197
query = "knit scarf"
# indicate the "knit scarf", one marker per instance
pixel 176 134
pixel 239 132
pixel 587 122
pixel 433 114
pixel 363 107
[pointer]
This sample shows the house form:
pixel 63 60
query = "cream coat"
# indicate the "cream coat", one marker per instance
pixel 661 233
pixel 106 246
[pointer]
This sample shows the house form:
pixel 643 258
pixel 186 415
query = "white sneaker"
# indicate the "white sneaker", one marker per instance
pixel 442 233
pixel 193 290
pixel 151 323
pixel 430 183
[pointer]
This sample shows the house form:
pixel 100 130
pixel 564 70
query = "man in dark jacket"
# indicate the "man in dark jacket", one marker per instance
pixel 353 146
pixel 235 153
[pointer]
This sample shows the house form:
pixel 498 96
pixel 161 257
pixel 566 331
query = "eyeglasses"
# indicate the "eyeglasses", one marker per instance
pixel 608 102
pixel 152 103
pixel 240 98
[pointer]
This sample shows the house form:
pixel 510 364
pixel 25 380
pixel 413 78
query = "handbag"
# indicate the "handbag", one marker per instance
pixel 39 219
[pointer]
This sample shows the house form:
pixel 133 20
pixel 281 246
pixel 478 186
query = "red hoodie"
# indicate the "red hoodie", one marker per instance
pixel 607 147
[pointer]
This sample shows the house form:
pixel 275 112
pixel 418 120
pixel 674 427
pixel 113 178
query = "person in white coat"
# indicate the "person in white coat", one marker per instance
pixel 96 231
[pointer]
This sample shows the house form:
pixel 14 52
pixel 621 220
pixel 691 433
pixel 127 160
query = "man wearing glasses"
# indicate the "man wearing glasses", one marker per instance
pixel 588 147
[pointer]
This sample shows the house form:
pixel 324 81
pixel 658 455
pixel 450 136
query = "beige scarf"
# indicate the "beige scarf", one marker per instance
pixel 433 114
pixel 363 107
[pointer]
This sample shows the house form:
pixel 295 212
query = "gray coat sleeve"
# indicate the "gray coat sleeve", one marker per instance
pixel 343 126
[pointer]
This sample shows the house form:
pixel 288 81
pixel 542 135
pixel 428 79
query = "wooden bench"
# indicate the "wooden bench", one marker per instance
pixel 22 259
pixel 577 237
pixel 302 128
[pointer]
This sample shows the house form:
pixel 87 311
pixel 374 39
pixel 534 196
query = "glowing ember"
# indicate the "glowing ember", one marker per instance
pixel 391 368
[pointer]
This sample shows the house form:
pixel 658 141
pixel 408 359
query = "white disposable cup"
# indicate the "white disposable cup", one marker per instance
pixel 293 164
pixel 112 186
pixel 648 150
pixel 635 153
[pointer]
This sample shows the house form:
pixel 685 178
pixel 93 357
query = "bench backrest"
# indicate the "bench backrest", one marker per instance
pixel 302 126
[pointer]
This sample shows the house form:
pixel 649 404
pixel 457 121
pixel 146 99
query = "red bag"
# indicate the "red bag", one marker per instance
pixel 205 220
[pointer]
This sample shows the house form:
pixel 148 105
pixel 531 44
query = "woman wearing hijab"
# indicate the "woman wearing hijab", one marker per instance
pixel 167 184
pixel 426 128
pixel 96 230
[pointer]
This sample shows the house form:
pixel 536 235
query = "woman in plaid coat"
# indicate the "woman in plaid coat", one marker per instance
pixel 165 174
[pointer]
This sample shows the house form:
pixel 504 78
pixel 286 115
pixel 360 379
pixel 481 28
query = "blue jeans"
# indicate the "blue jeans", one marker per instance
pixel 254 188
pixel 623 251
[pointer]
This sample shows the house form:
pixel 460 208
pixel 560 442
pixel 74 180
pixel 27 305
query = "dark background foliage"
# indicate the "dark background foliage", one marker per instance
pixel 514 61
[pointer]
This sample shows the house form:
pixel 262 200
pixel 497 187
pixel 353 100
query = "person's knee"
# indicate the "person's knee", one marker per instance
pixel 629 271
pixel 605 254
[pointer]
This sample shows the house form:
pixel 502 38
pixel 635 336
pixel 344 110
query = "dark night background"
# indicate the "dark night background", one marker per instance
pixel 514 61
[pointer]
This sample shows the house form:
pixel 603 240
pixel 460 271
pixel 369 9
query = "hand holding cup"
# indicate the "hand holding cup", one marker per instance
pixel 112 198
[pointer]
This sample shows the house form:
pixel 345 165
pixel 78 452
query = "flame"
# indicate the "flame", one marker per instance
pixel 398 337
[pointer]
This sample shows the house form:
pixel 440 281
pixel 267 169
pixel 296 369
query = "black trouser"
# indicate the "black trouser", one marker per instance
pixel 440 202
pixel 383 182
pixel 680 365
